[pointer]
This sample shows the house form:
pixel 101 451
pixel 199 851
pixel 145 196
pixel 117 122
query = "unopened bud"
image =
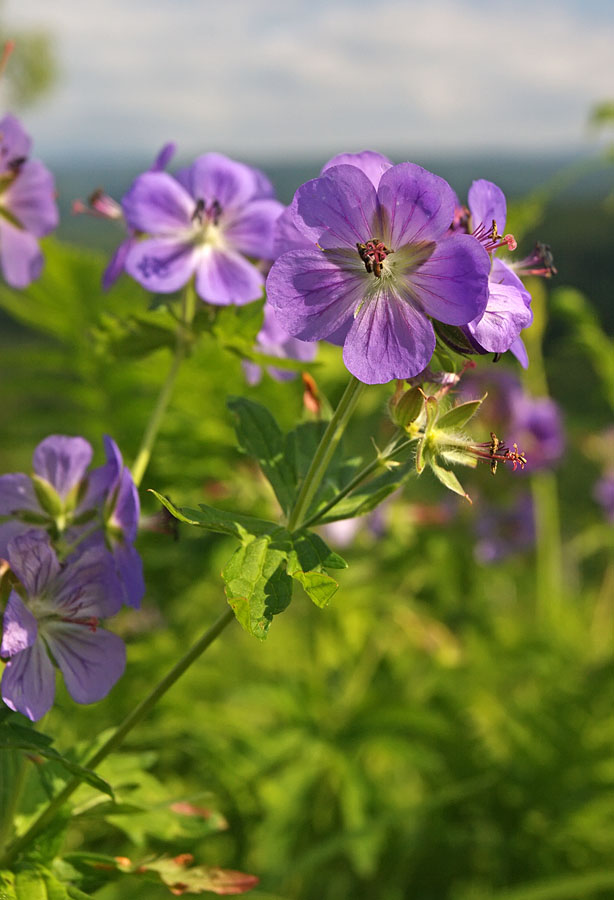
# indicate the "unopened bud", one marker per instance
pixel 407 408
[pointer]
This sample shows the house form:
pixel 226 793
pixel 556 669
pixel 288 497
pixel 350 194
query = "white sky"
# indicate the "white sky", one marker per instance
pixel 301 78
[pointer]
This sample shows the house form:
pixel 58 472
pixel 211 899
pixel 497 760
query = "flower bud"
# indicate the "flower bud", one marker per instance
pixel 407 408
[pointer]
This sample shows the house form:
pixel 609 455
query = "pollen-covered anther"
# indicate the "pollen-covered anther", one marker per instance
pixel 373 253
pixel 492 240
pixel 495 451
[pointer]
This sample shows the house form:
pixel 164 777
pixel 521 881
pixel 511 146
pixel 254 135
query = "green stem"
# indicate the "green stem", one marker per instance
pixel 390 451
pixel 188 308
pixel 113 742
pixel 324 453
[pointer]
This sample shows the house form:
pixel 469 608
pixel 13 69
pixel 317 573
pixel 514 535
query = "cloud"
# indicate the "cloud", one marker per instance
pixel 262 77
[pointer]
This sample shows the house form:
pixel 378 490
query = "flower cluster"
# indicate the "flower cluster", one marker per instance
pixel 68 537
pixel 28 209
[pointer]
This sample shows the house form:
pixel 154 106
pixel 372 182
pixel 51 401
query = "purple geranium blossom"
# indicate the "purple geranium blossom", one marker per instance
pixel 27 206
pixel 58 614
pixel 203 223
pixel 64 499
pixel 537 426
pixel 274 340
pixel 380 264
pixel 508 310
pixel 103 206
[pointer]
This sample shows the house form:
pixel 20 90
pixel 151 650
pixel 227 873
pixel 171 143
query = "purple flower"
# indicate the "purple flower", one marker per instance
pixel 98 508
pixel 508 309
pixel 537 426
pixel 380 264
pixel 203 223
pixel 103 206
pixel 275 341
pixel 27 206
pixel 603 492
pixel 55 613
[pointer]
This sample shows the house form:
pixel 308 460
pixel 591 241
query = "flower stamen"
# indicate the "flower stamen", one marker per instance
pixel 373 253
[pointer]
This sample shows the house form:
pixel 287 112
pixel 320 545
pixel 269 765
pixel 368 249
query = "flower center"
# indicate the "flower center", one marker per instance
pixel 373 253
pixel 206 215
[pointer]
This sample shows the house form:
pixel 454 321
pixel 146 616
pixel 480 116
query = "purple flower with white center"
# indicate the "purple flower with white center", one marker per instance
pixel 205 223
pixel 55 614
pixel 508 310
pixel 27 206
pixel 103 206
pixel 62 498
pixel 273 340
pixel 382 264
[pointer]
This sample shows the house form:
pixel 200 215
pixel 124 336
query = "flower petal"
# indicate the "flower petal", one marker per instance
pixel 368 161
pixel 19 628
pixel 164 157
pixel 288 236
pixel 33 560
pixel 315 294
pixel 17 493
pixel 519 350
pixel 224 278
pixel 417 205
pixel 339 209
pixel 91 661
pixel 117 263
pixel 162 265
pixel 31 198
pixel 389 339
pixel 62 461
pixel 505 316
pixel 127 507
pixel 452 284
pixel 20 255
pixel 251 229
pixel 87 586
pixel 129 570
pixel 487 204
pixel 14 142
pixel 157 204
pixel 216 177
pixel 28 682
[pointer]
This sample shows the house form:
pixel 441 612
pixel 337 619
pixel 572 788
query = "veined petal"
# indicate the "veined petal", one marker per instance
pixel 487 204
pixel 224 278
pixel 452 284
pixel 129 570
pixel 339 209
pixel 20 255
pixel 62 461
pixel 17 493
pixel 368 161
pixel 33 560
pixel 91 661
pixel 287 236
pixel 162 265
pixel 250 230
pixel 313 294
pixel 87 586
pixel 417 205
pixel 31 198
pixel 127 507
pixel 389 339
pixel 19 628
pixel 157 204
pixel 503 319
pixel 216 177
pixel 28 682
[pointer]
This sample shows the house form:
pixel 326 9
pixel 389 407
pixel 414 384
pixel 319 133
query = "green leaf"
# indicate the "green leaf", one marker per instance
pixel 257 585
pixel 460 415
pixel 30 885
pixel 238 326
pixel 260 437
pixel 18 737
pixel 311 553
pixel 7 886
pixel 219 520
pixel 368 496
pixel 319 586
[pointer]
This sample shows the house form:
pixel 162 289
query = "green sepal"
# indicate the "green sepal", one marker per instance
pixel 260 437
pixel 449 480
pixel 47 496
pixel 408 407
pixel 460 415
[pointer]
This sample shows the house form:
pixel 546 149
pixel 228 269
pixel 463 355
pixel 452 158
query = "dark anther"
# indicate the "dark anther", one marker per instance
pixel 373 253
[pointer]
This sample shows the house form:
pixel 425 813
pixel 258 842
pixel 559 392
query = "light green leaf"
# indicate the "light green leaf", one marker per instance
pixel 449 480
pixel 311 553
pixel 257 585
pixel 30 885
pixel 7 886
pixel 260 437
pixel 460 415
pixel 319 586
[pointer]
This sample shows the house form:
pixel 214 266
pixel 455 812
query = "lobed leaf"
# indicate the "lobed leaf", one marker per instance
pixel 257 585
